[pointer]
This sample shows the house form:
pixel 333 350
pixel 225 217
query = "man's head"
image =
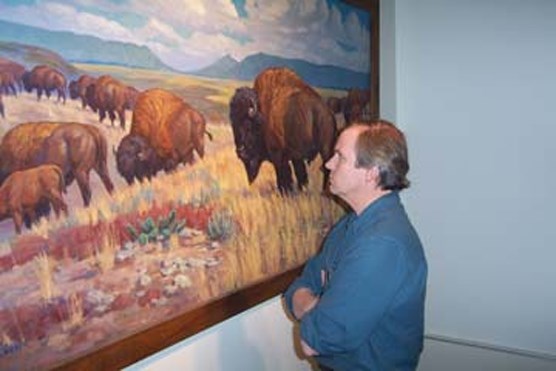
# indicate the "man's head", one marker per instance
pixel 369 159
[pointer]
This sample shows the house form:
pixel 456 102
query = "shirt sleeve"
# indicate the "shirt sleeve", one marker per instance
pixel 309 278
pixel 359 294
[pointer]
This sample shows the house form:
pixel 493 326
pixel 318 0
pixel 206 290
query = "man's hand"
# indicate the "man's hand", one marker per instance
pixel 303 301
pixel 307 350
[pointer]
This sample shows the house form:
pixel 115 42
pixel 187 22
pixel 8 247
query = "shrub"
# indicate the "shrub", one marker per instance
pixel 150 231
pixel 221 225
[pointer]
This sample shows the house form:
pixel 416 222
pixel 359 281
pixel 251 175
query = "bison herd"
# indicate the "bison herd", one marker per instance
pixel 281 119
pixel 38 160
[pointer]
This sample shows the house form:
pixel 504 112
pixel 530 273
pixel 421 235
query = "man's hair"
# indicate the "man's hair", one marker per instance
pixel 382 144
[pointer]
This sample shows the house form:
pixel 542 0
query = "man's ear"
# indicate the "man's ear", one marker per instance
pixel 372 175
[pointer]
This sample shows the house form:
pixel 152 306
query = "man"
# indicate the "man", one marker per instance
pixel 360 301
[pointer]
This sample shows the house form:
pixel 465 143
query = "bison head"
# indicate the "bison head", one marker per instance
pixel 135 158
pixel 247 125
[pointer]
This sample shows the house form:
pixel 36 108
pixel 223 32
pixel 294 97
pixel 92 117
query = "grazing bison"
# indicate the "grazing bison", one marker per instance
pixel 75 148
pixel 45 79
pixel 282 120
pixel 25 189
pixel 8 84
pixel 135 158
pixel 108 95
pixel 78 88
pixel 171 127
pixel 14 72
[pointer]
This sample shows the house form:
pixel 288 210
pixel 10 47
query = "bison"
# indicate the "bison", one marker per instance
pixel 108 95
pixel 45 79
pixel 76 148
pixel 78 88
pixel 281 120
pixel 357 106
pixel 171 127
pixel 135 158
pixel 14 71
pixel 8 84
pixel 25 189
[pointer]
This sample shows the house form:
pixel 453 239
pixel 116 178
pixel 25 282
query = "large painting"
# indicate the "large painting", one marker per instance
pixel 156 156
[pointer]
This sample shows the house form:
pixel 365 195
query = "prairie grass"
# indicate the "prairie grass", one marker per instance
pixel 75 312
pixel 43 267
pixel 106 251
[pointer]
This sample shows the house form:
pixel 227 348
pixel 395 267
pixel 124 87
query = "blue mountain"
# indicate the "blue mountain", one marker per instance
pixel 325 76
pixel 82 48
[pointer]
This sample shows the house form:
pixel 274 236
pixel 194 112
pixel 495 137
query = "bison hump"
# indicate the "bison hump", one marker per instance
pixel 153 119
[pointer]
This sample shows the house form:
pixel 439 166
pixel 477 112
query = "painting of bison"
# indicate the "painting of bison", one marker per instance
pixel 186 165
pixel 24 189
pixel 284 121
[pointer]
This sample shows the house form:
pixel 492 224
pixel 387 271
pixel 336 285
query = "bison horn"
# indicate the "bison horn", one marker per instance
pixel 252 109
pixel 209 135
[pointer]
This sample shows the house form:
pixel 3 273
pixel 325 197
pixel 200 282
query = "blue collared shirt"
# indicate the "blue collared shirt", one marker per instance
pixel 371 307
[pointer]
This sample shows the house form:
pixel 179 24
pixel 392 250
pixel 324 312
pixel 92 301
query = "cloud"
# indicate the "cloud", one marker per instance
pixel 191 34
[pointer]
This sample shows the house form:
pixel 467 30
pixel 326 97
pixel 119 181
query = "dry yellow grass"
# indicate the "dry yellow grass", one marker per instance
pixel 105 253
pixel 43 271
pixel 75 312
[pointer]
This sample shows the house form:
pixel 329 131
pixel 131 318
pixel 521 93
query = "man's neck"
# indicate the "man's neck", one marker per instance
pixel 366 200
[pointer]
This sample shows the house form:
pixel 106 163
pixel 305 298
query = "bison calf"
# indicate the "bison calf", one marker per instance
pixel 24 190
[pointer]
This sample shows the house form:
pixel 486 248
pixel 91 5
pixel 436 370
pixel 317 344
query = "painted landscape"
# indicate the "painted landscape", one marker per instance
pixel 152 249
pixel 191 226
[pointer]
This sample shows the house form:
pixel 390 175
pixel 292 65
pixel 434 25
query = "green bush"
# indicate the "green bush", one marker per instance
pixel 149 231
pixel 221 225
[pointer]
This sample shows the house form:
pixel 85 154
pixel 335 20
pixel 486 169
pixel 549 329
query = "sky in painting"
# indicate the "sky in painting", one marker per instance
pixel 190 34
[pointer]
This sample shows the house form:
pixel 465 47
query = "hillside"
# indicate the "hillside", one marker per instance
pixel 82 48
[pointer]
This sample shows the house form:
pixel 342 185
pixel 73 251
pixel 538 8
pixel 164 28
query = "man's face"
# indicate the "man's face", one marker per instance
pixel 345 179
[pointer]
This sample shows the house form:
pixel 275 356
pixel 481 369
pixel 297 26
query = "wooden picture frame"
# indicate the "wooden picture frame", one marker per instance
pixel 144 343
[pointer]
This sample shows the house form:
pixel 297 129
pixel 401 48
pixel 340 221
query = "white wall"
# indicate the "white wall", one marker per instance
pixel 256 340
pixel 475 95
pixel 471 82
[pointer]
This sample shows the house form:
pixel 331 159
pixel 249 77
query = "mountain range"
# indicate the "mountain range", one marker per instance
pixel 89 49
pixel 325 76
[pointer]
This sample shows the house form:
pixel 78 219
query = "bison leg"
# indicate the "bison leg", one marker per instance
pixel 103 174
pixel 300 173
pixel 112 116
pixel 39 93
pixel 18 221
pixel 283 176
pixel 59 204
pixel 61 95
pixel 82 179
pixel 121 116
pixel 101 114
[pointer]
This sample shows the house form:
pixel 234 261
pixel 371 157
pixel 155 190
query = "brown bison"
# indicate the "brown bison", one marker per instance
pixel 162 122
pixel 45 79
pixel 135 158
pixel 108 95
pixel 24 190
pixel 357 106
pixel 14 72
pixel 282 120
pixel 78 88
pixel 75 148
pixel 8 84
